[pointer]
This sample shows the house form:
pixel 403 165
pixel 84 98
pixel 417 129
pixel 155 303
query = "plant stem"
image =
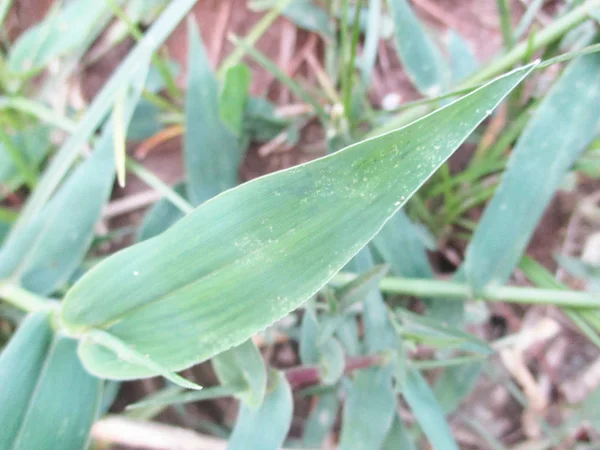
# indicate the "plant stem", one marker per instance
pixel 160 186
pixel 22 298
pixel 505 25
pixel 451 290
pixel 548 35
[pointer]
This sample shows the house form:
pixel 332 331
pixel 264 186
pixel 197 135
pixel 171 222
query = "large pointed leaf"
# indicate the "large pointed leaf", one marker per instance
pixel 564 124
pixel 265 428
pixel 48 400
pixel 212 153
pixel 254 253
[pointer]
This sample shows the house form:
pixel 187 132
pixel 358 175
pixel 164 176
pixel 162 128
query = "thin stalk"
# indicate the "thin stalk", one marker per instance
pixel 28 172
pixel 505 25
pixel 548 35
pixel 350 69
pixel 452 290
pixel 344 46
pixel 39 111
pixel 252 37
pixel 22 298
pixel 528 17
pixel 138 35
pixel 160 186
pixel 281 76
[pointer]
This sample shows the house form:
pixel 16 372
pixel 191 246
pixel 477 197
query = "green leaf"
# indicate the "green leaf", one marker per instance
pixel 420 57
pixel 212 153
pixel 48 400
pixel 160 217
pixel 265 428
pixel 130 354
pixel 243 365
pixel 75 26
pixel 234 97
pixel 33 145
pixel 127 71
pixel 369 410
pixel 332 361
pixel 45 252
pixel 462 60
pixel 356 290
pixel 372 36
pixel 320 420
pixel 254 253
pixel 397 438
pixel 564 124
pixel 427 411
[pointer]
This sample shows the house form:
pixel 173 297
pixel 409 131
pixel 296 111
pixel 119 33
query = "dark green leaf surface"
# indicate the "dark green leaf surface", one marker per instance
pixel 369 410
pixel 265 428
pixel 243 365
pixel 33 143
pixel 420 57
pixel 564 124
pixel 48 400
pixel 254 253
pixel 211 151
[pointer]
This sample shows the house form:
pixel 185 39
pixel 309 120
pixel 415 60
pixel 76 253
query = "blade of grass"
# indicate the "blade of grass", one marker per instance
pixel 168 397
pixel 281 76
pixel 158 185
pixel 350 68
pixel 29 173
pixel 100 107
pixel 505 25
pixel 252 37
pixel 528 18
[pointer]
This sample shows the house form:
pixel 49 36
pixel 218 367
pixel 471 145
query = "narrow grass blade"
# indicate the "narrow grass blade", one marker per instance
pixel 421 58
pixel 369 410
pixel 79 22
pixel 212 153
pixel 564 124
pixel 265 428
pixel 48 400
pixel 357 289
pixel 45 253
pixel 372 35
pixel 119 138
pixel 527 19
pixel 243 366
pixel 427 411
pixel 160 216
pixel 379 331
pixel 100 107
pixel 280 239
pixel 462 60
pixel 20 364
pixel 320 421
pixel 234 97
pixel 31 144
pixel 397 438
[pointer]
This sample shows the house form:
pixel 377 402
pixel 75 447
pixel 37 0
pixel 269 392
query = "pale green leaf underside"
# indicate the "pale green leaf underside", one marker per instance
pixel 254 253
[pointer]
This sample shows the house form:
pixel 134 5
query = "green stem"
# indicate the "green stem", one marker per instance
pixel 548 35
pixel 351 62
pixel 505 25
pixel 252 37
pixel 22 298
pixel 160 186
pixel 452 290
